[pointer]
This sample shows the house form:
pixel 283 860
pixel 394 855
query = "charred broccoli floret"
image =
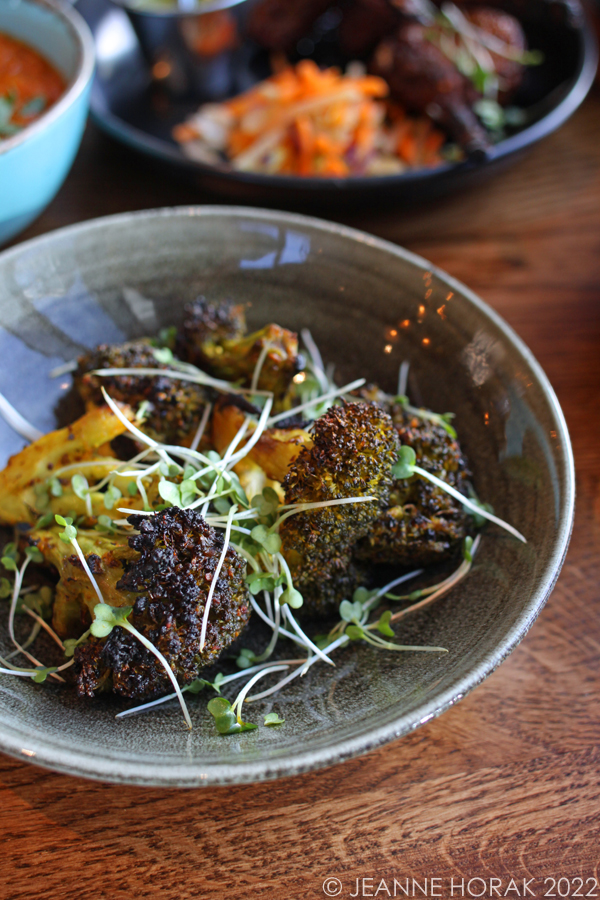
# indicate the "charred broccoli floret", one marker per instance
pixel 213 338
pixel 178 557
pixel 173 408
pixel 354 449
pixel 422 524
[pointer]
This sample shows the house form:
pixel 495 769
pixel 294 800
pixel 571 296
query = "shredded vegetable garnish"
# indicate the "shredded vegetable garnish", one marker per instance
pixel 312 122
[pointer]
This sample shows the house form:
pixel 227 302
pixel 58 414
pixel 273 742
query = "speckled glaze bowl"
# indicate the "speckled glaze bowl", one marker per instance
pixel 370 305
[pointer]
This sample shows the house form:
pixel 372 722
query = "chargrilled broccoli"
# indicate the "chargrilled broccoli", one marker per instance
pixel 353 451
pixel 213 338
pixel 422 524
pixel 38 479
pixel 173 408
pixel 175 558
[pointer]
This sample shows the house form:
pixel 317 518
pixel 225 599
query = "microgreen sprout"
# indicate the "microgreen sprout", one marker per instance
pixel 441 419
pixel 406 467
pixel 273 719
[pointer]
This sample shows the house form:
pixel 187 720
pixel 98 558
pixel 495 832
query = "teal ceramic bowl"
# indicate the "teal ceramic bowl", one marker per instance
pixel 35 162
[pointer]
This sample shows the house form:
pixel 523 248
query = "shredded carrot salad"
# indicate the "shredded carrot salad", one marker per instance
pixel 312 122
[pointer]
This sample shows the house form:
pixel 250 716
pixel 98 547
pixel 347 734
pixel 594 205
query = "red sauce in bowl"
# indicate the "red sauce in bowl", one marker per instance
pixel 29 85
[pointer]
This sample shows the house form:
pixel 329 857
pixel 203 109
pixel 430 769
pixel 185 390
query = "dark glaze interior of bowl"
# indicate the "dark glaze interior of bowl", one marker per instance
pixel 369 306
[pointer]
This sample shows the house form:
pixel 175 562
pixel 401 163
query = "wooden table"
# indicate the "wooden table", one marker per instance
pixel 506 784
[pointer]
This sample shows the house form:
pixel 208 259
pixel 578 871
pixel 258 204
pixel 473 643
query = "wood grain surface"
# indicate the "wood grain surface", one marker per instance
pixel 504 786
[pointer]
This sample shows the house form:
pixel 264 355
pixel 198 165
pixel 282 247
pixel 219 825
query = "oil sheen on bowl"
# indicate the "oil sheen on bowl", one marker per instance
pixel 35 161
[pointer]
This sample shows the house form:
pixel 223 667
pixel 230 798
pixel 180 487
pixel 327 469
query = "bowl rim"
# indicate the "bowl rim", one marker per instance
pixel 200 9
pixel 61 757
pixel 83 74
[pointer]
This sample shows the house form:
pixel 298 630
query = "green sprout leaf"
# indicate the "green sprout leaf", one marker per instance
pixel 467 547
pixel 70 532
pixel 406 460
pixel 273 719
pixel 105 525
pixel 246 658
pixel 45 521
pixel 111 496
pixel 34 555
pixel 383 624
pixel 80 486
pixel 5 588
pixel 55 487
pixel 170 492
pixel 9 563
pixel 41 674
pixel 292 597
pixel 200 683
pixel 354 632
pixel 132 489
pixel 351 612
pixel 163 355
pixel 106 617
pixel 70 644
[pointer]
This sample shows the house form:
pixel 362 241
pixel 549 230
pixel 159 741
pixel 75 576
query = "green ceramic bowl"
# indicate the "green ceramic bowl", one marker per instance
pixel 369 305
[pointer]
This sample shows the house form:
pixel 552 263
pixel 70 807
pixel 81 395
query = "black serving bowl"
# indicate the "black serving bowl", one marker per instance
pixel 134 108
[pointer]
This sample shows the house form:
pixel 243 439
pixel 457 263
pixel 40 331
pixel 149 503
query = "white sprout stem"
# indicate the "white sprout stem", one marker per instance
pixel 129 425
pixel 316 359
pixel 87 569
pixel 302 507
pixel 64 369
pixel 201 427
pixel 237 703
pixel 154 650
pixel 259 364
pixel 17 672
pixel 44 625
pixel 380 593
pixel 256 434
pixel 403 378
pixel 220 467
pixel 443 588
pixel 199 378
pixel 236 675
pixel 11 619
pixel 287 614
pixel 271 623
pixel 466 502
pixel 66 665
pixel 17 422
pixel 330 395
pixel 215 578
pixel 300 672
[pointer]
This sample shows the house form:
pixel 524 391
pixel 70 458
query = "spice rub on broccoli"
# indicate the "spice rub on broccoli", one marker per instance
pixel 353 451
pixel 172 408
pixel 213 337
pixel 422 524
pixel 172 578
pixel 37 480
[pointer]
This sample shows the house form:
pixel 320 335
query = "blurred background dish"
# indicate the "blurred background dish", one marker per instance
pixel 140 104
pixel 45 81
